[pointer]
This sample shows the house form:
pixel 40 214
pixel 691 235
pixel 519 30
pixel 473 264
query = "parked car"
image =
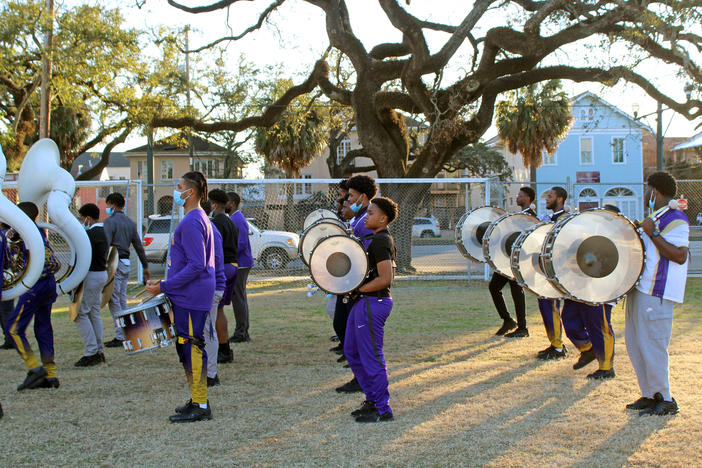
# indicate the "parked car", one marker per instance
pixel 273 249
pixel 425 227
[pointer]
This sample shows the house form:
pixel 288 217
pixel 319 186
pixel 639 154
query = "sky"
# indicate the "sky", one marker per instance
pixel 296 37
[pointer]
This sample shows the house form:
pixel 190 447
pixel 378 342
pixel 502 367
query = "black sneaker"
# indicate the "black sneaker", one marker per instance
pixel 1 412
pixel 553 353
pixel 342 358
pixel 518 333
pixel 506 326
pixel 544 352
pixel 7 345
pixel 33 379
pixel 337 349
pixel 185 407
pixel 661 407
pixel 225 357
pixel 600 374
pixel 52 382
pixel 87 361
pixel 641 404
pixel 374 416
pixel 102 357
pixel 213 381
pixel 366 407
pixel 334 338
pixel 191 414
pixel 351 386
pixel 115 343
pixel 586 357
pixel 240 338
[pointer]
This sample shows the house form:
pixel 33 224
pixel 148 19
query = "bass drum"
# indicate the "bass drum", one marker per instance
pixel 316 215
pixel 457 234
pixel 596 256
pixel 475 224
pixel 499 239
pixel 525 263
pixel 320 229
pixel 339 264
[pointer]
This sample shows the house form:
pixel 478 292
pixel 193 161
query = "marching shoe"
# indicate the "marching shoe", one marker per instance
pixel 225 357
pixel 185 407
pixel 51 382
pixel 373 416
pixel 192 413
pixel 351 386
pixel 337 349
pixel 334 338
pixel 600 374
pixel 342 358
pixel 213 381
pixel 87 361
pixel 661 407
pixel 115 343
pixel 506 326
pixel 552 354
pixel 34 377
pixel 518 333
pixel 366 407
pixel 642 403
pixel 7 345
pixel 240 338
pixel 586 357
pixel 544 352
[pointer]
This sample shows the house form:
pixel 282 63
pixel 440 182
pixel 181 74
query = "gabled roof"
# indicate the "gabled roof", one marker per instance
pixel 612 107
pixel 200 145
pixel 90 159
pixel 694 142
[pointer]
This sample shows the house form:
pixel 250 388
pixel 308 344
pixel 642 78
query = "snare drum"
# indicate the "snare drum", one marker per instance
pixel 339 264
pixel 316 215
pixel 149 325
pixel 318 230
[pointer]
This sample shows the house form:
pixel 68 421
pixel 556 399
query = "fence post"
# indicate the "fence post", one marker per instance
pixel 139 220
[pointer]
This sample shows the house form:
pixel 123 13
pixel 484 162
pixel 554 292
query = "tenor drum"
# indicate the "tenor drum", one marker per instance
pixel 499 239
pixel 595 256
pixel 147 326
pixel 469 236
pixel 316 215
pixel 525 263
pixel 318 230
pixel 338 264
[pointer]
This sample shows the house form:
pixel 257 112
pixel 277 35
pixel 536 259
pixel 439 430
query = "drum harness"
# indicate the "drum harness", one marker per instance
pixel 354 295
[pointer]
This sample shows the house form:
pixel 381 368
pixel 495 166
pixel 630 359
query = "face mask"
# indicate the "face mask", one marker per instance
pixel 211 213
pixel 652 201
pixel 176 198
pixel 109 211
pixel 356 207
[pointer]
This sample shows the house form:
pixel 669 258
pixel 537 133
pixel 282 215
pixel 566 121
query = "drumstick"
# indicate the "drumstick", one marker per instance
pixel 140 293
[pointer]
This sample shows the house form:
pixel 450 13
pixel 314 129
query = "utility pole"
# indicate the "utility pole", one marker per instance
pixel 45 98
pixel 150 171
pixel 659 138
pixel 187 91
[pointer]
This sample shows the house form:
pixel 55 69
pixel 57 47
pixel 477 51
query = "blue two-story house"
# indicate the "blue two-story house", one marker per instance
pixel 599 162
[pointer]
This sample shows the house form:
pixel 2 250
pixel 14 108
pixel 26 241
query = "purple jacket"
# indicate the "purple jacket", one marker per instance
pixel 243 248
pixel 220 278
pixel 360 230
pixel 191 273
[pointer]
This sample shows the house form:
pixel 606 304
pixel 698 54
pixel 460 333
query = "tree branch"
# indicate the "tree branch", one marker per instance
pixel 105 157
pixel 205 8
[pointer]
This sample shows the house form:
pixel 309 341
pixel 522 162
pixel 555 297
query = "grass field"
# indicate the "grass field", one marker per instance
pixel 461 396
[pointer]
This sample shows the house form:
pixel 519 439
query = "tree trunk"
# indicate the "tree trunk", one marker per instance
pixel 532 176
pixel 289 211
pixel 409 197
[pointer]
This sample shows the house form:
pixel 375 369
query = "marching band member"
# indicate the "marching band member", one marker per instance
pixel 88 320
pixel 245 261
pixel 550 308
pixel 361 189
pixel 37 303
pixel 121 232
pixel 525 198
pixel 365 329
pixel 649 307
pixel 190 287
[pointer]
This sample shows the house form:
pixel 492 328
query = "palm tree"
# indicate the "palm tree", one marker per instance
pixel 294 141
pixel 533 120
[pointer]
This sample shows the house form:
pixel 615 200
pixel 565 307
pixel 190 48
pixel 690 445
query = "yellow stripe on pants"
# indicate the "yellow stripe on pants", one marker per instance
pixel 27 355
pixel 198 385
pixel 557 341
pixel 608 338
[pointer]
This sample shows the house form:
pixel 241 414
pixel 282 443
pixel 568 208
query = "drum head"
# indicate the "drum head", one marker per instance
pixel 316 215
pixel 500 237
pixel 338 264
pixel 320 229
pixel 473 230
pixel 457 234
pixel 526 266
pixel 596 256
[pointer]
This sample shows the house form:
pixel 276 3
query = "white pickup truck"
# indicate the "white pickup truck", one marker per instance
pixel 272 249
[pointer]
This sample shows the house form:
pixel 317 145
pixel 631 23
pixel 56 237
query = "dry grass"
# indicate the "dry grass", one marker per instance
pixel 461 396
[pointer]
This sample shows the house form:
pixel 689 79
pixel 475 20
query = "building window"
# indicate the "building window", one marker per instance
pixel 166 170
pixel 548 159
pixel 209 167
pixel 141 165
pixel 586 158
pixel 304 189
pixel 618 150
pixel 341 151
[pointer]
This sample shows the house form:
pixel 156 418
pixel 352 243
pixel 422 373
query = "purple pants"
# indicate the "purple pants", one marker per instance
pixel 590 327
pixel 191 324
pixel 363 347
pixel 550 313
pixel 230 274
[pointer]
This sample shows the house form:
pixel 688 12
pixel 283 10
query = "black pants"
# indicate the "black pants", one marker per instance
pixel 240 303
pixel 341 316
pixel 6 308
pixel 496 284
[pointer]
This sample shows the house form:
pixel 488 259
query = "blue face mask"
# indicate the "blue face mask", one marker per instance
pixel 356 207
pixel 176 198
pixel 652 202
pixel 109 211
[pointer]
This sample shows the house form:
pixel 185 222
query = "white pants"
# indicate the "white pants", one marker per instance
pixel 88 320
pixel 649 324
pixel 118 301
pixel 211 341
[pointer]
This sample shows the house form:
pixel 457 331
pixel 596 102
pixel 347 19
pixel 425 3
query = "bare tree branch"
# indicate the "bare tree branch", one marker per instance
pixel 205 8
